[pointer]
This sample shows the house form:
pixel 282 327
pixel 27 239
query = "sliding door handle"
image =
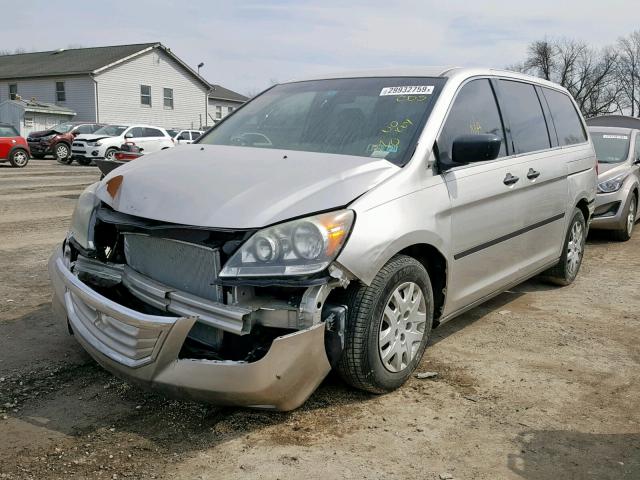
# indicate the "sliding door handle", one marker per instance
pixel 533 174
pixel 510 179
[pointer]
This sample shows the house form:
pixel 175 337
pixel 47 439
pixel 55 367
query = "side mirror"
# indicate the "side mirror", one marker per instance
pixel 475 148
pixel 128 135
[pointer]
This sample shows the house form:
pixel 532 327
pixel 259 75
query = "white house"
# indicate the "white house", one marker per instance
pixel 222 102
pixel 142 83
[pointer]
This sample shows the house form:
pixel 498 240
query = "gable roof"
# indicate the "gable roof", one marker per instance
pixel 221 93
pixel 71 61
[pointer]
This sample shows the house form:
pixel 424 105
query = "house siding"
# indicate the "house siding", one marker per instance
pixel 224 104
pixel 79 92
pixel 119 93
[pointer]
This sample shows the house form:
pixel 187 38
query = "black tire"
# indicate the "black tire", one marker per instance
pixel 84 161
pixel 62 153
pixel 19 158
pixel 361 364
pixel 624 234
pixel 109 154
pixel 562 273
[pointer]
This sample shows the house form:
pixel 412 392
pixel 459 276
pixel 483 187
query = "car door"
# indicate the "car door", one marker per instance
pixel 137 136
pixel 486 201
pixel 7 140
pixel 153 139
pixel 183 137
pixel 544 185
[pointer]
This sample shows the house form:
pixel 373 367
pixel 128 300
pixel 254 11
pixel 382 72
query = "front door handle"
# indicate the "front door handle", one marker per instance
pixel 510 179
pixel 533 174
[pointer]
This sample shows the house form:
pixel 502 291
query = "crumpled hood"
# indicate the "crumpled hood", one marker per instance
pixel 92 138
pixel 240 187
pixel 43 133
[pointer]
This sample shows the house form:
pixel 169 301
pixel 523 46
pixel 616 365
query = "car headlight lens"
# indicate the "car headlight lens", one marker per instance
pixel 93 144
pixel 298 247
pixel 82 219
pixel 612 185
pixel 46 138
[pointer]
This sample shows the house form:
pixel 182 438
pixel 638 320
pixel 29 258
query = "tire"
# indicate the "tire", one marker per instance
pixel 62 152
pixel 369 312
pixel 624 234
pixel 19 158
pixel 108 155
pixel 566 270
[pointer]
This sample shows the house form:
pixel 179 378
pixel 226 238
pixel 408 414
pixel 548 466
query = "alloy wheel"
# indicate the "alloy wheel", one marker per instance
pixel 62 152
pixel 575 248
pixel 20 158
pixel 402 327
pixel 631 216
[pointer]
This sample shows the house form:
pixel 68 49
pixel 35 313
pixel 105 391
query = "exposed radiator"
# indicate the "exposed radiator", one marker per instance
pixel 185 266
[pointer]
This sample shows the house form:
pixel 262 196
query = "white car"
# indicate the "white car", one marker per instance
pixel 186 136
pixel 106 141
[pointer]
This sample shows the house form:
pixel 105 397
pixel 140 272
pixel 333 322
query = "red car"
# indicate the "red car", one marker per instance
pixel 13 148
pixel 58 139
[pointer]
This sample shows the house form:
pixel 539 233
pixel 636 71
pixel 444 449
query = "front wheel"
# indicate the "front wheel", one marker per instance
pixel 566 270
pixel 19 158
pixel 388 326
pixel 625 232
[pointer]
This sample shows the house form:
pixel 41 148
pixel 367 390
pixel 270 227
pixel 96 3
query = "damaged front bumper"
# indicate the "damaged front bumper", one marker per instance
pixel 145 348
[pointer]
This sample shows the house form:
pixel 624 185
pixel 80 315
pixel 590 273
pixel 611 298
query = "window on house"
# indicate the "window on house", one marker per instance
pixel 60 94
pixel 168 97
pixel 230 109
pixel 218 111
pixel 145 95
pixel 13 91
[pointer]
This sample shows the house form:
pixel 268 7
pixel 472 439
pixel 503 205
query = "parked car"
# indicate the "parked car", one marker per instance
pixel 329 223
pixel 187 136
pixel 57 140
pixel 127 152
pixel 105 142
pixel 13 148
pixel 618 153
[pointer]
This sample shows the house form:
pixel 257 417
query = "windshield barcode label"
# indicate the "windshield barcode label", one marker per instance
pixel 617 137
pixel 407 90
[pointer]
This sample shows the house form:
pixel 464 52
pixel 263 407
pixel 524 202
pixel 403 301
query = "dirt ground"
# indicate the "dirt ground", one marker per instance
pixel 540 383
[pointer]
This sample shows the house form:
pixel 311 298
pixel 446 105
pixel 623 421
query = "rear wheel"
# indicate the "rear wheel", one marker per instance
pixel 388 326
pixel 566 271
pixel 62 153
pixel 625 232
pixel 19 158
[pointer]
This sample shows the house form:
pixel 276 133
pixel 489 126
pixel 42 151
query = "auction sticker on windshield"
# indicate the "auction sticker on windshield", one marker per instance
pixel 617 137
pixel 407 89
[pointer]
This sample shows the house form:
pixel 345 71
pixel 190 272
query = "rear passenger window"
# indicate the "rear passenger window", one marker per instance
pixel 565 118
pixel 521 106
pixel 474 111
pixel 153 132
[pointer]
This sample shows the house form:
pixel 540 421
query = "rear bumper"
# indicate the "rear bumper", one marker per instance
pixel 144 349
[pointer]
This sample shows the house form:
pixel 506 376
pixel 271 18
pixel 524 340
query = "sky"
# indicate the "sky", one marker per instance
pixel 248 45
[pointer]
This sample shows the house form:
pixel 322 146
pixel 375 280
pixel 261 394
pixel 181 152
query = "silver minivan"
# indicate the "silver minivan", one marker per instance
pixel 329 223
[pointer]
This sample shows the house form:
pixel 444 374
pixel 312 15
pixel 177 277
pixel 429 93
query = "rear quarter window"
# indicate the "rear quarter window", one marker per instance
pixel 566 118
pixel 521 106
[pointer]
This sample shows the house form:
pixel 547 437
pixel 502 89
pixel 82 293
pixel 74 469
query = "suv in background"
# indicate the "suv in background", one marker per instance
pixel 187 136
pixel 105 142
pixel 57 140
pixel 13 147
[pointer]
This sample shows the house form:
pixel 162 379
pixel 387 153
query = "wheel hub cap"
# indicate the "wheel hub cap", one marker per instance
pixel 631 218
pixel 402 327
pixel 575 248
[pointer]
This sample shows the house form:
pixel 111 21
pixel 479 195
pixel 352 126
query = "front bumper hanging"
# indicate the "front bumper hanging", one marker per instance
pixel 144 349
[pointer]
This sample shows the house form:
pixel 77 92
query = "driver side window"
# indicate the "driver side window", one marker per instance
pixel 136 132
pixel 474 111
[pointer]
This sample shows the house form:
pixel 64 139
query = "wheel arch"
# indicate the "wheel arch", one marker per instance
pixel 583 206
pixel 19 147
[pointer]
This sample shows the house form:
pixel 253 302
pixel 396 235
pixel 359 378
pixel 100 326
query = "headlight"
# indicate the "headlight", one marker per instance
pixel 93 144
pixel 46 138
pixel 299 247
pixel 612 185
pixel 82 219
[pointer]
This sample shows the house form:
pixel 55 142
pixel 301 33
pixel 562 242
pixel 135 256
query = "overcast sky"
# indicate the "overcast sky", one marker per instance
pixel 246 45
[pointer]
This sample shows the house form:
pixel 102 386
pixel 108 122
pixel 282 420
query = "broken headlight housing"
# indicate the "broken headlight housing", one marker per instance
pixel 82 219
pixel 298 247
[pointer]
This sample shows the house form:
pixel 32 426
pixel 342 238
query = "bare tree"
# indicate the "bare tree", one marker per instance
pixel 588 74
pixel 628 73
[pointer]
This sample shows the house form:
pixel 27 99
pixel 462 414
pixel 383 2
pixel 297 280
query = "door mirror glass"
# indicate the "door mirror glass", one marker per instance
pixel 476 148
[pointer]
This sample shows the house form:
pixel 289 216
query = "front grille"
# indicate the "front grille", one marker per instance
pixel 185 266
pixel 78 144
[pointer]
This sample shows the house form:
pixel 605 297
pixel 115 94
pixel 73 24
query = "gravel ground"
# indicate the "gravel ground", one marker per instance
pixel 539 383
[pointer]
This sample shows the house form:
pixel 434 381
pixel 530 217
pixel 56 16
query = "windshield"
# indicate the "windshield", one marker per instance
pixel 369 117
pixel 62 127
pixel 111 130
pixel 610 147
